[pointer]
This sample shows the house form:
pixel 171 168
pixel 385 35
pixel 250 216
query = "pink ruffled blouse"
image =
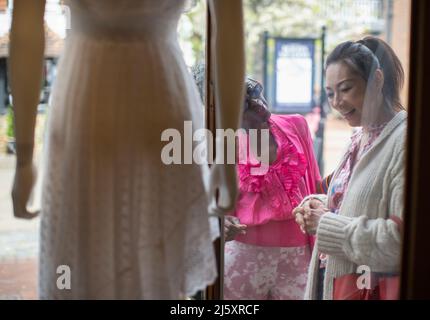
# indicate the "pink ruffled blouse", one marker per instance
pixel 267 197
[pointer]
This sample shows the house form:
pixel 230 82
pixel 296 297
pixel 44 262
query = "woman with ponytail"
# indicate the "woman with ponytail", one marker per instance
pixel 358 223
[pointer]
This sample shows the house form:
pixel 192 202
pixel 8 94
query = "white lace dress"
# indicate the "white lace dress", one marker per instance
pixel 127 225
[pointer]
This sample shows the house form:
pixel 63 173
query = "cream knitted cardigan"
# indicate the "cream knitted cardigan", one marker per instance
pixel 361 234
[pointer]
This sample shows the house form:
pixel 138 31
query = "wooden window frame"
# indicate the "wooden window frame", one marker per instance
pixel 415 281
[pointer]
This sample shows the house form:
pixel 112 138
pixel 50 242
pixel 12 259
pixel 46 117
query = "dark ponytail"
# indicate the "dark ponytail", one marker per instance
pixel 367 55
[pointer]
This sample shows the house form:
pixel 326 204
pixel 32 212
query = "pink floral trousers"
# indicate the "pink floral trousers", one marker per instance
pixel 265 273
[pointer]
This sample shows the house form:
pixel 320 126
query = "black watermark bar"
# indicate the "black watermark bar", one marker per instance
pixel 205 309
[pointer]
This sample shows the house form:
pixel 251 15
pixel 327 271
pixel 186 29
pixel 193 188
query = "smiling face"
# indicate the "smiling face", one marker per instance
pixel 346 92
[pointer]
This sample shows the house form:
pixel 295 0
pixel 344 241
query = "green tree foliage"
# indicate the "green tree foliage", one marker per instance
pixel 10 133
pixel 344 19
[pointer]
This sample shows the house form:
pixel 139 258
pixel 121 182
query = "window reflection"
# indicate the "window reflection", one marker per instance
pixel 345 228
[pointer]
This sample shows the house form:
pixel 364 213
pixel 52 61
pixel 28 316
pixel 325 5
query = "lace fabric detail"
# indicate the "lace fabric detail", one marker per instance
pixel 127 225
pixel 121 8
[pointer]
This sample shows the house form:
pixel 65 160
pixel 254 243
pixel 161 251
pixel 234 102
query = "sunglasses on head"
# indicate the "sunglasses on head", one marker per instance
pixel 254 89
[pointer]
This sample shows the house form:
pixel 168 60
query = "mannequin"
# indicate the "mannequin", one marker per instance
pixel 228 44
pixel 26 63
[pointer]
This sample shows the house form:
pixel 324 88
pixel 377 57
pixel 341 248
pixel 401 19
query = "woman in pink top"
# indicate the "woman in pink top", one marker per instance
pixel 268 255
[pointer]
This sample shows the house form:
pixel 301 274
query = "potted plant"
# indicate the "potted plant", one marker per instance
pixel 10 132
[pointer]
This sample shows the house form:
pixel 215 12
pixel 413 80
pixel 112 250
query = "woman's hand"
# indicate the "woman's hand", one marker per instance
pixel 299 213
pixel 232 228
pixel 25 178
pixel 308 216
pixel 312 219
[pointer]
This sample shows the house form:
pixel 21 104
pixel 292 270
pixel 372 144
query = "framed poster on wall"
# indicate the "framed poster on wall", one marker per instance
pixel 294 76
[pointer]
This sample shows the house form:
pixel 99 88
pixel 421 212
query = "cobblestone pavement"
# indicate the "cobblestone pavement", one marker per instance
pixel 18 279
pixel 19 238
